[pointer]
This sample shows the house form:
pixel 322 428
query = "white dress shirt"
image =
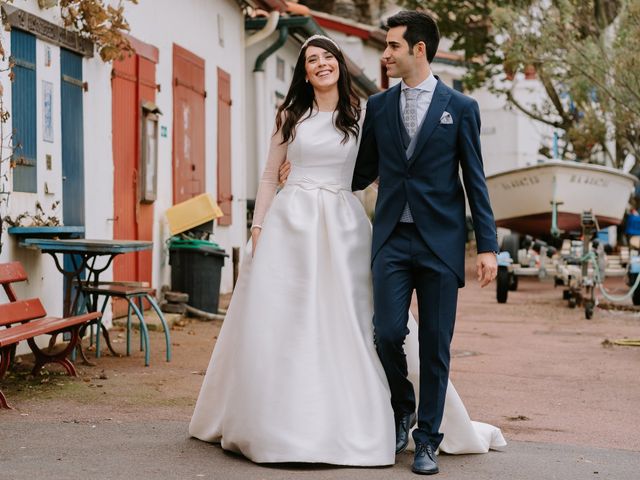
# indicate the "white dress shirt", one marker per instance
pixel 424 97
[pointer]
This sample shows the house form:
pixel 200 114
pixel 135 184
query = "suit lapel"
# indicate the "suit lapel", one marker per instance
pixel 439 102
pixel 393 116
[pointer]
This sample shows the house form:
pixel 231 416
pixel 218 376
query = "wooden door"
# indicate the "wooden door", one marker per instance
pixel 188 125
pixel 24 116
pixel 225 195
pixel 72 132
pixel 72 138
pixel 133 82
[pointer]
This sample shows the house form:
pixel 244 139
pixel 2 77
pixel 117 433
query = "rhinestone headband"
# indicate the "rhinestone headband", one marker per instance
pixel 316 37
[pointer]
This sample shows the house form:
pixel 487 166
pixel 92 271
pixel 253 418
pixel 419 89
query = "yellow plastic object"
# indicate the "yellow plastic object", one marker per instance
pixel 192 212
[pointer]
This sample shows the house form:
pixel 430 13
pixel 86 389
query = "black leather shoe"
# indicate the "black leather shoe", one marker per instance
pixel 403 427
pixel 424 461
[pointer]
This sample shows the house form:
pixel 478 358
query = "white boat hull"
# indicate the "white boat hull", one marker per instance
pixel 522 199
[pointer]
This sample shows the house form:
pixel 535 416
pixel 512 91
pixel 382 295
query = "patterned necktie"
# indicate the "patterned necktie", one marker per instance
pixel 410 119
pixel 410 112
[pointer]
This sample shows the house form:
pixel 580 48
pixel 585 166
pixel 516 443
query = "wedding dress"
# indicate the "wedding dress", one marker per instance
pixel 294 376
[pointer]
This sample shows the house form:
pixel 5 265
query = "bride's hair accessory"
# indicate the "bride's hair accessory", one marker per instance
pixel 317 37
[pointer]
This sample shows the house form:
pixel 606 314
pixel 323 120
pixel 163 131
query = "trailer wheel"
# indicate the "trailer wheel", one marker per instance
pixel 636 293
pixel 588 311
pixel 511 244
pixel 636 296
pixel 502 284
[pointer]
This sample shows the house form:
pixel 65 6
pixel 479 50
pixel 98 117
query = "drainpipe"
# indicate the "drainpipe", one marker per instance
pixel 269 28
pixel 260 87
pixel 263 118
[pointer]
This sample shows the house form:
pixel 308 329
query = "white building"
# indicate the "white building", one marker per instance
pixel 196 68
pixel 85 151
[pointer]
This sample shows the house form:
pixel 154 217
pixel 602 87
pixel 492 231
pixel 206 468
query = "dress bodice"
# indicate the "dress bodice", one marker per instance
pixel 318 155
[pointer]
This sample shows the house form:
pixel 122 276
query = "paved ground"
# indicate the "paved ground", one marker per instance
pixel 566 402
pixel 162 450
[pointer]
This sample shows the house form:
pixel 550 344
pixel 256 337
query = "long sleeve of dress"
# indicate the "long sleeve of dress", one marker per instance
pixel 269 180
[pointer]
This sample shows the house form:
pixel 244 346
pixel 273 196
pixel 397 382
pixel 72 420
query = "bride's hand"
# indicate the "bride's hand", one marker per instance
pixel 283 172
pixel 255 233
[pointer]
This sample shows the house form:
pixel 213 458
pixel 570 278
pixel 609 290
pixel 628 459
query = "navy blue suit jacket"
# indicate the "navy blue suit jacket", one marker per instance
pixel 430 179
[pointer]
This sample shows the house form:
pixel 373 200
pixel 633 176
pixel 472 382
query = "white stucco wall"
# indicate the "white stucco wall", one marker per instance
pixel 44 281
pixel 192 24
pixel 257 139
pixel 510 139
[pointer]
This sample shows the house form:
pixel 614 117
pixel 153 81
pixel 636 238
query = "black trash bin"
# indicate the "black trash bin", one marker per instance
pixel 196 268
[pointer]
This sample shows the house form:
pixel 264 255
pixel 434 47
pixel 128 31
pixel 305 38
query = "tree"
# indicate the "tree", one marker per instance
pixel 104 25
pixel 582 52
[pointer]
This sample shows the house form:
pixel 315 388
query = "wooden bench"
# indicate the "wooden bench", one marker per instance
pixel 26 319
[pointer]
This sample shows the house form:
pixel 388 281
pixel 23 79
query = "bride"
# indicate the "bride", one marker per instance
pixel 294 376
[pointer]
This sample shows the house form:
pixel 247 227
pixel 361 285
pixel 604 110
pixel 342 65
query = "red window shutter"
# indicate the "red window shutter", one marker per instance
pixel 188 125
pixel 225 195
pixel 133 81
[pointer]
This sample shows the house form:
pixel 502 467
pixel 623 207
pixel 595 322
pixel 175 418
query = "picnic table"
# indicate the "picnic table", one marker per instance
pixel 91 256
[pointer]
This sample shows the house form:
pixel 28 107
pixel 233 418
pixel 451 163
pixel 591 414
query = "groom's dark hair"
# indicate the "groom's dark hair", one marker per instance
pixel 421 27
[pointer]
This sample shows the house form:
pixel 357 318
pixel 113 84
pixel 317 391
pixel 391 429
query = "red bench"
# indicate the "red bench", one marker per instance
pixel 26 319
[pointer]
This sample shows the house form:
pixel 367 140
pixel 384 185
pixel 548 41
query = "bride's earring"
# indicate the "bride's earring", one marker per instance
pixel 306 80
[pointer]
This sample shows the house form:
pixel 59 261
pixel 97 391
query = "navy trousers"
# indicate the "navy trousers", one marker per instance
pixel 403 264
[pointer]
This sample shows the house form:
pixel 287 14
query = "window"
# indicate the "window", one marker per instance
pixel 384 78
pixel 23 111
pixel 280 68
pixel 279 100
pixel 149 152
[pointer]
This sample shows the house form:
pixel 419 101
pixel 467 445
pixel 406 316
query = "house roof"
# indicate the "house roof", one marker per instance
pixel 373 35
pixel 280 5
pixel 344 25
pixel 302 27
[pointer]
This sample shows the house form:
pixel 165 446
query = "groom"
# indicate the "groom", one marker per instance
pixel 416 138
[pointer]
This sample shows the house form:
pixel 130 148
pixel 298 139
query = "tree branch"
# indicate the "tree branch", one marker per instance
pixel 530 113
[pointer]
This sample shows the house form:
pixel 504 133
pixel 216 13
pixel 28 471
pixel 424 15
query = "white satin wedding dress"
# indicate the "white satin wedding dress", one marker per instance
pixel 294 376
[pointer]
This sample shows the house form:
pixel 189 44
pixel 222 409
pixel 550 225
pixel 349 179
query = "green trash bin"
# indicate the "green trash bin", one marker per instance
pixel 196 269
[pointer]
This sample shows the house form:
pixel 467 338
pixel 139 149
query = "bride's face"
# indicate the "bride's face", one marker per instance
pixel 321 67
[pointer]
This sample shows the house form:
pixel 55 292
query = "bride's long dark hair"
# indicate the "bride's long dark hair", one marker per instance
pixel 300 98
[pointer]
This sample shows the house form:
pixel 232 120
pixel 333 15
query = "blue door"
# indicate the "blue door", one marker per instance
pixel 72 144
pixel 72 139
pixel 23 111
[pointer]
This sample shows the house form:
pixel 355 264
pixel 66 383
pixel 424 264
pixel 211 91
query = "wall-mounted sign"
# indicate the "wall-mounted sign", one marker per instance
pixel 47 111
pixel 149 153
pixel 47 56
pixel 47 31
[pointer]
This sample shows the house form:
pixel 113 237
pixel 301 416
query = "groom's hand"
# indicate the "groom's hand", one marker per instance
pixel 283 172
pixel 486 268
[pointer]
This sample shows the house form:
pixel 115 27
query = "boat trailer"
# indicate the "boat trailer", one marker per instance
pixel 581 266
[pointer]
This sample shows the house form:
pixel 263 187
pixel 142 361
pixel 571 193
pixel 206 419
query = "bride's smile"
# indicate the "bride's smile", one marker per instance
pixel 321 67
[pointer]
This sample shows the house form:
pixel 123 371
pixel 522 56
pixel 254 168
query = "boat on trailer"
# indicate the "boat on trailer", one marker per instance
pixel 559 200
pixel 550 197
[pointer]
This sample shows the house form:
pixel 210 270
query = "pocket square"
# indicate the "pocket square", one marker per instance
pixel 446 118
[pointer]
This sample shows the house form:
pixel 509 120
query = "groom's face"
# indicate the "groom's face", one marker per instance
pixel 397 57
